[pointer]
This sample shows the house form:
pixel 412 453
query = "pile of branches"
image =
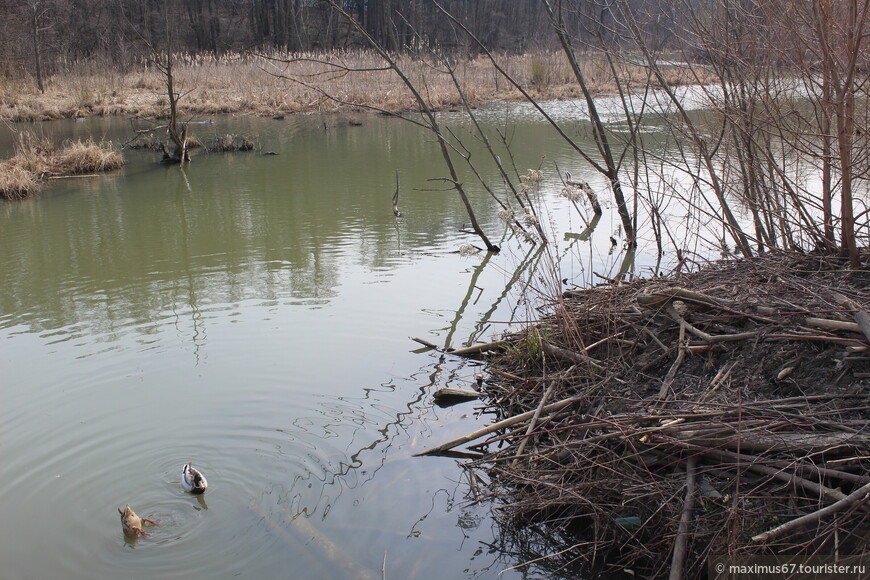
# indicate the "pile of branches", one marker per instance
pixel 655 424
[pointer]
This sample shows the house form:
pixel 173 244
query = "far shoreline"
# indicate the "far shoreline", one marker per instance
pixel 244 84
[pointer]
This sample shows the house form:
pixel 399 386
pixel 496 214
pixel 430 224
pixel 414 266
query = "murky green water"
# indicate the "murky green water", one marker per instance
pixel 252 314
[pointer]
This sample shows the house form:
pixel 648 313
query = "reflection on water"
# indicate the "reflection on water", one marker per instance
pixel 251 314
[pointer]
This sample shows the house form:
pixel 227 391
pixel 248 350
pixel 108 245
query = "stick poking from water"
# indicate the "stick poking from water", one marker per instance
pixel 396 198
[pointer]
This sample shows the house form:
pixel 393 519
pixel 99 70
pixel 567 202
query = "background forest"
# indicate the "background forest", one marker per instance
pixel 115 33
pixel 64 33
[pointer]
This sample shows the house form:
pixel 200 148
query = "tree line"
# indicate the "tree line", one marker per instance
pixel 798 166
pixel 53 34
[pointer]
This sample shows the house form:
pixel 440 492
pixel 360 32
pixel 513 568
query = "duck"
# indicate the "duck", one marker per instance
pixel 132 523
pixel 192 480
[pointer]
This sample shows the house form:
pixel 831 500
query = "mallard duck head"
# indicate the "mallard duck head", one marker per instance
pixel 192 480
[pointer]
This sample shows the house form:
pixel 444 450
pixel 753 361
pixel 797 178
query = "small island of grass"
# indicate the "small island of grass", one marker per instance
pixel 37 161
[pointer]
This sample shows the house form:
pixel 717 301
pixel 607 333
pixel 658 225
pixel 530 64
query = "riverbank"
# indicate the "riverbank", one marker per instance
pixel 254 84
pixel 257 85
pixel 658 424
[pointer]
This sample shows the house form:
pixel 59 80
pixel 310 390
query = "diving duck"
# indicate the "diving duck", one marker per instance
pixel 192 480
pixel 132 523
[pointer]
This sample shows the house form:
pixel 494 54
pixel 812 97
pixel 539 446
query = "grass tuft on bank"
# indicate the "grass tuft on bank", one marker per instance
pixel 38 160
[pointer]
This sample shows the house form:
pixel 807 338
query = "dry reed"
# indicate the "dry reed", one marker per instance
pixel 85 157
pixel 36 160
pixel 253 84
pixel 16 182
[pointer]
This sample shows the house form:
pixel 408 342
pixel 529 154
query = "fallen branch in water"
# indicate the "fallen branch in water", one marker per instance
pixel 73 176
pixel 497 426
pixel 396 198
pixel 313 543
pixel 478 348
pixel 425 342
pixel 448 394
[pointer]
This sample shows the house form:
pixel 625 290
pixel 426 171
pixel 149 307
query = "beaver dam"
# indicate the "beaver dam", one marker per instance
pixel 654 425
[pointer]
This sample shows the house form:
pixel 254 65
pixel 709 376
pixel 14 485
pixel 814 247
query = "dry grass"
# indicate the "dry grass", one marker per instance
pixel 16 182
pixel 258 85
pixel 36 160
pixel 85 157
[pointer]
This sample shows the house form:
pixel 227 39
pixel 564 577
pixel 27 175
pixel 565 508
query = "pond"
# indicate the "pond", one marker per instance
pixel 251 313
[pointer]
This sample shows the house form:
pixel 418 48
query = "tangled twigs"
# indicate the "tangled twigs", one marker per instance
pixel 679 559
pixel 672 372
pixel 770 465
pixel 857 496
pixel 862 318
pixel 748 371
pixel 570 355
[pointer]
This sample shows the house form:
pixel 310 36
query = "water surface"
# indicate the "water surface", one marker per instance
pixel 251 313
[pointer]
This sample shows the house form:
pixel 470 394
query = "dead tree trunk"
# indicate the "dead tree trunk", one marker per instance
pixel 180 154
pixel 36 14
pixel 164 64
